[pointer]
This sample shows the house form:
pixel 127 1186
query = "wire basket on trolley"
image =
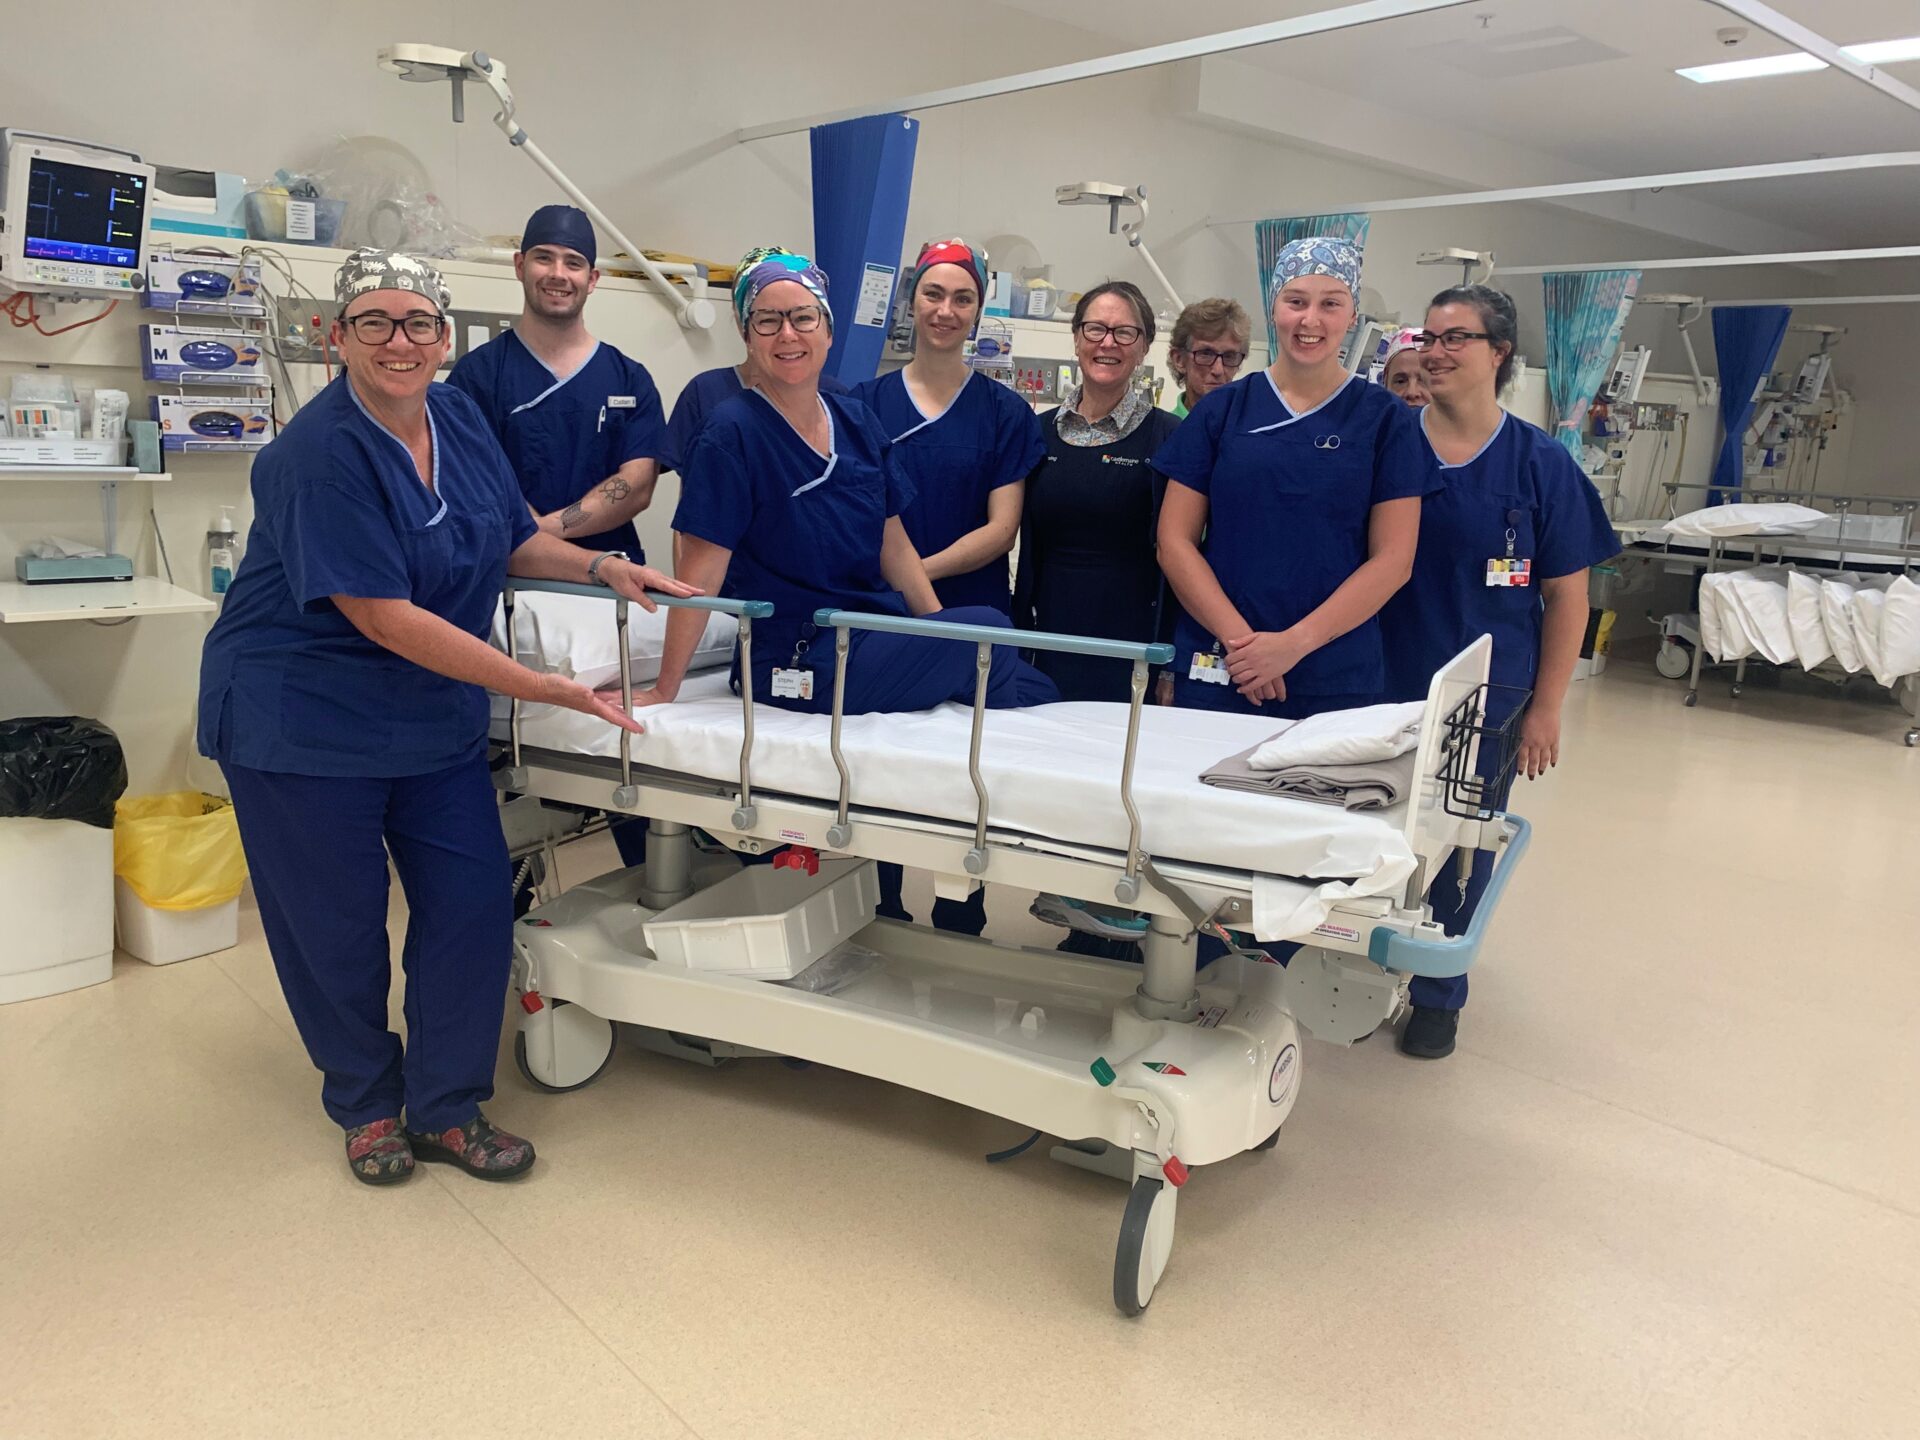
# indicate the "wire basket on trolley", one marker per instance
pixel 1473 783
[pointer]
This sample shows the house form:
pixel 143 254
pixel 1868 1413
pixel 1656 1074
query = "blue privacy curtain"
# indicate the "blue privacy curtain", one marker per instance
pixel 1585 315
pixel 1746 338
pixel 862 176
pixel 1270 237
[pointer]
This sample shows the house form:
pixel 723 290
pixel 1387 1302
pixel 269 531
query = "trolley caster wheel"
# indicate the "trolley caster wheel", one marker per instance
pixel 1146 1239
pixel 1672 660
pixel 581 1049
pixel 1692 699
pixel 1268 1143
pixel 1734 692
pixel 1913 738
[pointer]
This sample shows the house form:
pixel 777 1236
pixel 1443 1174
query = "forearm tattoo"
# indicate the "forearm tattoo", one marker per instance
pixel 616 489
pixel 571 517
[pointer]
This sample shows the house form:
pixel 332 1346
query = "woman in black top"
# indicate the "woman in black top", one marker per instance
pixel 1087 564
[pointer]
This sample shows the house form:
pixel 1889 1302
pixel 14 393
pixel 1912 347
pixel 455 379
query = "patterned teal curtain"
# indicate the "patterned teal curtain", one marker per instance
pixel 1585 315
pixel 1270 237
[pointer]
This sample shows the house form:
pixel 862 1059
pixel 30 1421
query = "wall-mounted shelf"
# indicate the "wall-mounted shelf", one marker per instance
pixel 95 473
pixel 22 604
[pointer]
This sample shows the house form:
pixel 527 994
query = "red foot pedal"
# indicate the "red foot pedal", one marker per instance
pixel 798 857
pixel 532 1003
pixel 1175 1172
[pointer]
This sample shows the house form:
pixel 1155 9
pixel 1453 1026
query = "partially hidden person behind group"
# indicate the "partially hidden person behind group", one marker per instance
pixel 1291 512
pixel 1505 547
pixel 343 692
pixel 966 445
pixel 581 423
pixel 793 496
pixel 1087 562
pixel 705 392
pixel 1206 349
pixel 1403 374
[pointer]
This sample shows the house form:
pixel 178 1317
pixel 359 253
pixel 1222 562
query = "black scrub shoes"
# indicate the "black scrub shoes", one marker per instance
pixel 1429 1033
pixel 476 1147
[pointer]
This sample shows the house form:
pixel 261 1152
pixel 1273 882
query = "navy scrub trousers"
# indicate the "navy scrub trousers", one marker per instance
pixel 317 847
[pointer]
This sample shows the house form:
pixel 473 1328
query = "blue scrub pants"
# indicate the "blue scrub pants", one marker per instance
pixel 1197 695
pixel 317 848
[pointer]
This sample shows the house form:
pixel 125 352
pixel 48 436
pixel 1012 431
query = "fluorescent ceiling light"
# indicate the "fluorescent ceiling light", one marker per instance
pixel 1791 63
pixel 1885 52
pixel 1796 62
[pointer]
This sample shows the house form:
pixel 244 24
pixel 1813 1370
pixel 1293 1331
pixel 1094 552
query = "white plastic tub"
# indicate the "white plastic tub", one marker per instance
pixel 161 937
pixel 766 923
pixel 56 907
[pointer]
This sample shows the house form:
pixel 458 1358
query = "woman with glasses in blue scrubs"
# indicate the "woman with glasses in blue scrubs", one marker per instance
pixel 1291 512
pixel 1505 546
pixel 343 692
pixel 796 497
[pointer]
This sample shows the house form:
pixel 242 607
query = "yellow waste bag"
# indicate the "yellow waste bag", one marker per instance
pixel 179 851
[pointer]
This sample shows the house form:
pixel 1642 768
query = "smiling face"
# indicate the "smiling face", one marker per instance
pixel 1106 363
pixel 557 281
pixel 788 356
pixel 1406 379
pixel 398 369
pixel 1311 315
pixel 946 306
pixel 1473 367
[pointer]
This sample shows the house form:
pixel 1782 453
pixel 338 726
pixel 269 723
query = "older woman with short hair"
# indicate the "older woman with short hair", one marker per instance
pixel 1207 348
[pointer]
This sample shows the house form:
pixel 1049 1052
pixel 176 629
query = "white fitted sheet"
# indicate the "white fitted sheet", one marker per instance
pixel 1051 772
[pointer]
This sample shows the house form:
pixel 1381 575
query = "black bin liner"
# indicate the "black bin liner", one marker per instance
pixel 60 767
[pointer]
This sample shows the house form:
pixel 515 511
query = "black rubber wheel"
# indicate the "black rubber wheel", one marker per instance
pixel 1735 692
pixel 1268 1143
pixel 1691 700
pixel 526 1071
pixel 1133 1238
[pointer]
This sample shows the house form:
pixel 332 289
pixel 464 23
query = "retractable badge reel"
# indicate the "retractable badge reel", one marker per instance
pixel 1508 572
pixel 795 682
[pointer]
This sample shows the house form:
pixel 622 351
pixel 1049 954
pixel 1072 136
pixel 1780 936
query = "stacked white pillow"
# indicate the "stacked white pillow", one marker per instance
pixel 1747 519
pixel 574 635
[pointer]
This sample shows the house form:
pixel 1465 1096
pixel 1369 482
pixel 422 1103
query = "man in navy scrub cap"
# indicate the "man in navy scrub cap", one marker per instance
pixel 581 424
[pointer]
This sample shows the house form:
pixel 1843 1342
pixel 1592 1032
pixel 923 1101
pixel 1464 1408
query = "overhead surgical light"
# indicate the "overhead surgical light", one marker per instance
pixel 1117 198
pixel 430 64
pixel 1467 260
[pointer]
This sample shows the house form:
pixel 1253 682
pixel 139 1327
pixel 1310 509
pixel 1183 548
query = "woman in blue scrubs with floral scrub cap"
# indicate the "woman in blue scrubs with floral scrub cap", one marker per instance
pixel 793 496
pixel 343 692
pixel 1305 483
pixel 1505 547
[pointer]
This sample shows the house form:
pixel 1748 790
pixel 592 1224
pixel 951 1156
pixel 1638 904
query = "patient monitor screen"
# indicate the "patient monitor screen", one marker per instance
pixel 84 214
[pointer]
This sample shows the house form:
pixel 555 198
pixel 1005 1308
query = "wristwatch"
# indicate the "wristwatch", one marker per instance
pixel 593 568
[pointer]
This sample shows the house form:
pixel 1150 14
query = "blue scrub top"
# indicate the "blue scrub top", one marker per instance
pixel 704 394
pixel 1289 502
pixel 564 435
pixel 286 682
pixel 1522 498
pixel 985 438
pixel 805 531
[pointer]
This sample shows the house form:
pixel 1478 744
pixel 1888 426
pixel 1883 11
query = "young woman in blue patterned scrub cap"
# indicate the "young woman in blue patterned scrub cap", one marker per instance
pixel 1291 512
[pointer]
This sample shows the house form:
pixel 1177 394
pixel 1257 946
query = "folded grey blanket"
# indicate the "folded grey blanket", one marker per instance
pixel 1372 786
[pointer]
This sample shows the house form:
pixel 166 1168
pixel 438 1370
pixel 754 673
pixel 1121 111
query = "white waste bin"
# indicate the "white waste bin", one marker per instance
pixel 56 907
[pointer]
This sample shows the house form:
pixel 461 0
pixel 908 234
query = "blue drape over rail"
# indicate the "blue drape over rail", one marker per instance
pixel 1746 339
pixel 862 177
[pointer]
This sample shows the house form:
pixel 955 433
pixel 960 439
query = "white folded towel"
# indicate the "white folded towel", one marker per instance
pixel 1343 737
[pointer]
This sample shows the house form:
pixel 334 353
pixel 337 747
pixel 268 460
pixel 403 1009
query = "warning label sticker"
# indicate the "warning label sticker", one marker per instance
pixel 1211 1017
pixel 1338 932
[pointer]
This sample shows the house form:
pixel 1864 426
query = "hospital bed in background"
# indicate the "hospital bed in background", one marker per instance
pixel 1147 1071
pixel 1870 536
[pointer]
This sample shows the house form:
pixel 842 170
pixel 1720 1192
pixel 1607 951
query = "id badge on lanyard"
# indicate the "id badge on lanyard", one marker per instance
pixel 1507 572
pixel 1209 667
pixel 795 681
